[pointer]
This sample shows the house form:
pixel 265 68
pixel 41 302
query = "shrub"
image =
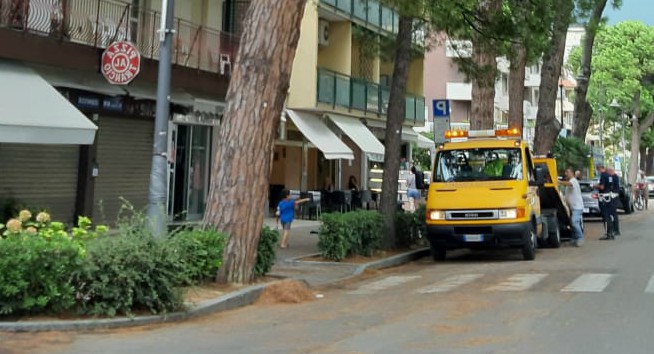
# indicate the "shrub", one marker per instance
pixel 200 253
pixel 334 237
pixel 35 273
pixel 129 272
pixel 357 232
pixel 266 251
pixel 409 227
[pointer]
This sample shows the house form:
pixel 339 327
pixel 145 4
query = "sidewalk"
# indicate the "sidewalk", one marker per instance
pixel 302 242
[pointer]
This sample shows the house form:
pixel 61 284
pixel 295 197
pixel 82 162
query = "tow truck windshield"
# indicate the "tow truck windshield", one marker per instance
pixel 488 164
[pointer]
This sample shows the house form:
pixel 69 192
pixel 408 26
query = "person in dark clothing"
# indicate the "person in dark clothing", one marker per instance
pixel 609 187
pixel 353 186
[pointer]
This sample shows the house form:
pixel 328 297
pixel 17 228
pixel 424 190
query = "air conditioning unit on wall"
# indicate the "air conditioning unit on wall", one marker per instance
pixel 323 33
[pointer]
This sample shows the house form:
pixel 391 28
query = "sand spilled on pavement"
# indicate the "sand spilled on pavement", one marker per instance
pixel 287 292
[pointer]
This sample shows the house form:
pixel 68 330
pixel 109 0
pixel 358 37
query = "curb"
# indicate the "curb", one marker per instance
pixel 240 298
pixel 237 299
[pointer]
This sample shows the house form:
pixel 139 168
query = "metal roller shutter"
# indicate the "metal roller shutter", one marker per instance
pixel 124 158
pixel 40 177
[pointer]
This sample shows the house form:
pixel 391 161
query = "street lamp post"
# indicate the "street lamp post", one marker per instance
pixel 561 99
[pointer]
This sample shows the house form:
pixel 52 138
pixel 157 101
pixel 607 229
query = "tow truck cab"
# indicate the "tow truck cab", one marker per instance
pixel 484 194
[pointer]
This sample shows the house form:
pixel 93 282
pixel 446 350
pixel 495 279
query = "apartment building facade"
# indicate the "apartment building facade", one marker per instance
pixel 444 81
pixel 334 122
pixel 74 144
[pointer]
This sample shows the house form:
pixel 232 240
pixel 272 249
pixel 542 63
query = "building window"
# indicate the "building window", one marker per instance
pixel 458 49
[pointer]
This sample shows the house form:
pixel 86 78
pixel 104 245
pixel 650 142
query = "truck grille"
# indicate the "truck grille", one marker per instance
pixel 471 215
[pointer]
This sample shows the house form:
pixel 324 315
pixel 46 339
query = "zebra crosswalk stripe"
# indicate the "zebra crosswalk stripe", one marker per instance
pixel 650 285
pixel 449 283
pixel 383 284
pixel 589 283
pixel 518 282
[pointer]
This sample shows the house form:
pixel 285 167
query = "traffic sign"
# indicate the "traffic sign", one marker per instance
pixel 441 108
pixel 121 62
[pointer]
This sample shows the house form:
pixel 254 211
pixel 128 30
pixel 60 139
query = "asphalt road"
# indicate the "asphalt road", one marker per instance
pixel 595 299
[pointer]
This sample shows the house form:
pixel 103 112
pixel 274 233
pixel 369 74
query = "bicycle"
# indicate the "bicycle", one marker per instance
pixel 639 201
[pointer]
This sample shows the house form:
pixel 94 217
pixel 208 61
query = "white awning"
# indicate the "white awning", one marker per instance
pixel 360 135
pixel 91 82
pixel 143 91
pixel 320 135
pixel 34 112
pixel 424 142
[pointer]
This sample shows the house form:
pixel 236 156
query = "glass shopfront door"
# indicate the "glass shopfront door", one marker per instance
pixel 189 171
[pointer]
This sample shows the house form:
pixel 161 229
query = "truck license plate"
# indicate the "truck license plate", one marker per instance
pixel 586 210
pixel 473 238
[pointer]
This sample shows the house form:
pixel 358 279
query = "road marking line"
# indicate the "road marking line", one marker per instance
pixel 383 284
pixel 449 283
pixel 589 283
pixel 650 285
pixel 518 282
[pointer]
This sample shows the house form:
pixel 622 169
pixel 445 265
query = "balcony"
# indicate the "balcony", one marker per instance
pixel 98 23
pixel 369 13
pixel 351 93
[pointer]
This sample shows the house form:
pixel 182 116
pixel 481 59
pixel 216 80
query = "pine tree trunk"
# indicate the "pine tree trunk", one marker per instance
pixel 517 86
pixel 393 135
pixel 243 162
pixel 643 158
pixel 547 126
pixel 638 128
pixel 484 54
pixel 649 164
pixel 583 111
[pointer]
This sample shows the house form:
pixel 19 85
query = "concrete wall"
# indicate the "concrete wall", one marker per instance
pixel 337 56
pixel 438 71
pixel 303 88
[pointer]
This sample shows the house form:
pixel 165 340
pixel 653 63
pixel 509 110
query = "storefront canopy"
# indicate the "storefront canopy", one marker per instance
pixel 409 134
pixel 320 135
pixel 360 135
pixel 34 112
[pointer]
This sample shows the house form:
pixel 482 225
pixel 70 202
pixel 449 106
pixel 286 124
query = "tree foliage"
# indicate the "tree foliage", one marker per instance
pixel 571 152
pixel 623 67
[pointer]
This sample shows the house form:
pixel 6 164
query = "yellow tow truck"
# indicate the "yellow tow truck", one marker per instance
pixel 486 192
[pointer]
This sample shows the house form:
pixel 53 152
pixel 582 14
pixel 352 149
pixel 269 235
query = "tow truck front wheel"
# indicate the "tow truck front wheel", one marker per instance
pixel 438 253
pixel 529 248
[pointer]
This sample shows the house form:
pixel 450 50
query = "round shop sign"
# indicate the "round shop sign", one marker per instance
pixel 121 62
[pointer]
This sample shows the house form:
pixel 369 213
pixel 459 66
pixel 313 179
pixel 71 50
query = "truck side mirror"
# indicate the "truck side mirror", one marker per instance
pixel 540 177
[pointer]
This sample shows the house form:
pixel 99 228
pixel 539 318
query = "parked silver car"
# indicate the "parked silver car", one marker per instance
pixel 591 198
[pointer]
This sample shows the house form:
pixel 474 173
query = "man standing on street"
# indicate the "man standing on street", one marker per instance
pixel 576 204
pixel 609 187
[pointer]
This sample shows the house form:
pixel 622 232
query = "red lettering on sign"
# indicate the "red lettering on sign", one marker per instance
pixel 121 62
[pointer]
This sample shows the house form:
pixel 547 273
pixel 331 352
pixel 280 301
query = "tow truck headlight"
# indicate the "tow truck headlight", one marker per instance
pixel 436 215
pixel 511 213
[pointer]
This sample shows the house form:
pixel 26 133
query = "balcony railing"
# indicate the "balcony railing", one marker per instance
pixel 369 12
pixel 344 91
pixel 98 23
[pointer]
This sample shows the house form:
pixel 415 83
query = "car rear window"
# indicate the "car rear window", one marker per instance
pixel 586 187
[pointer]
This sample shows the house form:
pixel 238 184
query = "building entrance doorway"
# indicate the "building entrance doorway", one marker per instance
pixel 189 170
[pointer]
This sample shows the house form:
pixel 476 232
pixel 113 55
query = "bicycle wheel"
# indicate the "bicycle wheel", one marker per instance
pixel 639 203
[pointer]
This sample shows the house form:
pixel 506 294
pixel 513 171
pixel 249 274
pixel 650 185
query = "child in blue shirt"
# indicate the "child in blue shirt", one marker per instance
pixel 286 209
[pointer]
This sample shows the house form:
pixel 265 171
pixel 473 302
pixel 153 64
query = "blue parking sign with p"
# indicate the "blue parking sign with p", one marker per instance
pixel 441 108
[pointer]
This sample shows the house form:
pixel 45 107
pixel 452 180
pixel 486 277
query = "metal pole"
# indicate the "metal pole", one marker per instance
pixel 159 171
pixel 561 108
pixel 624 150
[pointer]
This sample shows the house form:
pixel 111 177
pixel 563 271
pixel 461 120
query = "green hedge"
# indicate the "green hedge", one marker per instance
pixel 35 273
pixel 410 227
pixel 266 251
pixel 361 232
pixel 357 232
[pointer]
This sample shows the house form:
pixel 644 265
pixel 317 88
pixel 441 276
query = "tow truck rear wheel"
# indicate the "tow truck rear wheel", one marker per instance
pixel 437 253
pixel 554 234
pixel 529 248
